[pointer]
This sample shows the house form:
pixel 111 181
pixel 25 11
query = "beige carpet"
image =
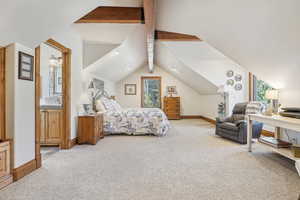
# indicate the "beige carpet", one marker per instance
pixel 190 163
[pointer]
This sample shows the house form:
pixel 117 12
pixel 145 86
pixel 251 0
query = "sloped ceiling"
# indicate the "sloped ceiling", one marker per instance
pixel 30 22
pixel 168 61
pixel 261 35
pixel 122 61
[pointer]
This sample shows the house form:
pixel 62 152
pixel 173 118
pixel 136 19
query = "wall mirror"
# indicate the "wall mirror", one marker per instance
pixel 151 92
pixel 51 76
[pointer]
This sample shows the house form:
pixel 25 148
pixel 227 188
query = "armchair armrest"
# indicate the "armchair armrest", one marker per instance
pixel 240 122
pixel 228 119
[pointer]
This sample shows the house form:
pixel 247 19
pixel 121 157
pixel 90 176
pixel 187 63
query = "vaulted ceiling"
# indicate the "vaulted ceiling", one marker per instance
pixel 260 35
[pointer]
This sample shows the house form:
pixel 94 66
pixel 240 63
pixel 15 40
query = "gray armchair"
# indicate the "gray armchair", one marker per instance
pixel 235 127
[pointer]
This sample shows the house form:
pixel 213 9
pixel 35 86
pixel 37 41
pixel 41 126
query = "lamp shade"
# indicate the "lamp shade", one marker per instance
pixel 84 99
pixel 272 94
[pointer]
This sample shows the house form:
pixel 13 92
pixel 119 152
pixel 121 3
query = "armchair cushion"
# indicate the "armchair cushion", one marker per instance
pixel 229 126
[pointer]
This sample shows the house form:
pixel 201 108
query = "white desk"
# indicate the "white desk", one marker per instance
pixel 279 123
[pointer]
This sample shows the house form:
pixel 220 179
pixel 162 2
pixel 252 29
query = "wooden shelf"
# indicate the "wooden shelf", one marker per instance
pixel 286 152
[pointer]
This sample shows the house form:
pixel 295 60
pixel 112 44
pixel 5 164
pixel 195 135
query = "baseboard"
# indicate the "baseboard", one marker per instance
pixel 212 121
pixel 267 133
pixel 38 159
pixel 24 170
pixel 190 117
pixel 73 142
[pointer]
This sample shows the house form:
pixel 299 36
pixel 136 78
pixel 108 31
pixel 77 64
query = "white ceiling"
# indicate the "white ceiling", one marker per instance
pixel 123 60
pixel 165 58
pixel 261 35
pixel 31 22
pixel 105 33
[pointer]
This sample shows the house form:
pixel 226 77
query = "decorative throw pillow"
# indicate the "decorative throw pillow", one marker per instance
pixel 99 106
pixel 254 107
pixel 107 104
pixel 116 105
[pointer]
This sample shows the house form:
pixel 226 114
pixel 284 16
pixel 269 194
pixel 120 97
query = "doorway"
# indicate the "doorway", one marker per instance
pixel 52 99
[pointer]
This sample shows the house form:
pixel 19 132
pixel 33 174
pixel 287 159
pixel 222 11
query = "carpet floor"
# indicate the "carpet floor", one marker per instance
pixel 189 163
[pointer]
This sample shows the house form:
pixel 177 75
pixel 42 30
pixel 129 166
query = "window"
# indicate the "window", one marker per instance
pixel 151 92
pixel 260 88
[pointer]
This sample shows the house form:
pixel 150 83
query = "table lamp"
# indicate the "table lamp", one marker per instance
pixel 273 95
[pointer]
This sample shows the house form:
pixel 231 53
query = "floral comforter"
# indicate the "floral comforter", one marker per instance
pixel 136 121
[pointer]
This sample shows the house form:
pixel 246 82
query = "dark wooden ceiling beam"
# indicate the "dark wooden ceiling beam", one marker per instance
pixel 150 17
pixel 170 36
pixel 114 15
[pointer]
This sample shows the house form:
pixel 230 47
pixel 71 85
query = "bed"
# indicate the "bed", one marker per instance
pixel 133 121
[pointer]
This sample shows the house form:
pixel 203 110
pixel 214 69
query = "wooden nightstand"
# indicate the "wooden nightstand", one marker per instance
pixel 90 129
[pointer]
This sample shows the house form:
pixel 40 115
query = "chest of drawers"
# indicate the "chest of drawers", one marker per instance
pixel 5 176
pixel 172 107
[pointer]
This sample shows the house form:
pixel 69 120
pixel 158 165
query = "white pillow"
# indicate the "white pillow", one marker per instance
pixel 116 105
pixel 99 106
pixel 107 104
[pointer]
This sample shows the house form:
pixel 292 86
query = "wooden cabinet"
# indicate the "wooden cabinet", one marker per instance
pixel 51 127
pixel 172 107
pixel 90 129
pixel 5 176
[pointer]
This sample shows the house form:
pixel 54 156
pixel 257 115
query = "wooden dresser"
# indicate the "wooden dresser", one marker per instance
pixel 51 127
pixel 172 107
pixel 90 129
pixel 5 175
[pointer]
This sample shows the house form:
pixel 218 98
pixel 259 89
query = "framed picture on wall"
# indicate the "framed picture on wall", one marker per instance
pixel 130 89
pixel 26 63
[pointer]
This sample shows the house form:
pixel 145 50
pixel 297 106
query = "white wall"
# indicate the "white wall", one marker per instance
pixel 192 102
pixel 72 40
pixel 20 108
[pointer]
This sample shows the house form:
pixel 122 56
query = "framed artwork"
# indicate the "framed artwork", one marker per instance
pixel 171 90
pixel 151 92
pixel 130 89
pixel 26 63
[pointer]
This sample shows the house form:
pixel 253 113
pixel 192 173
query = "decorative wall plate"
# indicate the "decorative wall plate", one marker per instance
pixel 229 73
pixel 230 82
pixel 238 87
pixel 238 77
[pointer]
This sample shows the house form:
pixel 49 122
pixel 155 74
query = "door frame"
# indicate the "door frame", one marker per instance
pixel 142 88
pixel 2 94
pixel 66 90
